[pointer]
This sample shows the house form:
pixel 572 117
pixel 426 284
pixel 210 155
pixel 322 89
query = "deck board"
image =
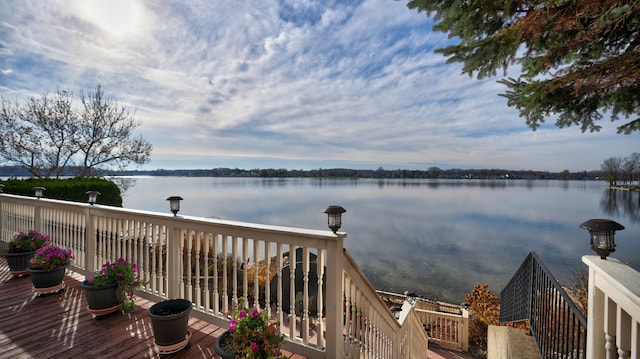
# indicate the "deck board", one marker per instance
pixel 60 326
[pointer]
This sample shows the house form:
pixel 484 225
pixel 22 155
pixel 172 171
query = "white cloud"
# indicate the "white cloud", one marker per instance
pixel 271 83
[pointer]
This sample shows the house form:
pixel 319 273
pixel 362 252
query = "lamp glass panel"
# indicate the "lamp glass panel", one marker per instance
pixel 334 220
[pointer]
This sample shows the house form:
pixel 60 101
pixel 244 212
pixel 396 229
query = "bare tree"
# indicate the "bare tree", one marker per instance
pixel 104 136
pixel 612 168
pixel 49 138
pixel 38 135
pixel 631 167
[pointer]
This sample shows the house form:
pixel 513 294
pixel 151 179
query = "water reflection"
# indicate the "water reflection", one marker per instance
pixel 435 237
pixel 624 204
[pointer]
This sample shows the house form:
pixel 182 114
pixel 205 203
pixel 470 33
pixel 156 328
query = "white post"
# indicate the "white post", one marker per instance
pixel 37 220
pixel 333 303
pixel 595 321
pixel 464 334
pixel 91 240
pixel 174 256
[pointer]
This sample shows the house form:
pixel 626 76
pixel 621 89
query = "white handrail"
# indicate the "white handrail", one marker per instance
pixel 613 318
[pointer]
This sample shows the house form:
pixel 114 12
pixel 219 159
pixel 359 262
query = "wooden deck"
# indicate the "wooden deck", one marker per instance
pixel 60 326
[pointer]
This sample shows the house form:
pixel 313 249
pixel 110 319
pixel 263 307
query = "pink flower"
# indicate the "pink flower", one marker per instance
pixel 255 314
pixel 254 347
pixel 242 314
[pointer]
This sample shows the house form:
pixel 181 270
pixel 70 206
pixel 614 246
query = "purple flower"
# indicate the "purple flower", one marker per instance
pixel 254 347
pixel 242 314
pixel 255 314
pixel 233 325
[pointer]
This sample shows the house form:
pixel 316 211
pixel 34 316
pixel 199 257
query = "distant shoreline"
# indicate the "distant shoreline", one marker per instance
pixel 381 173
pixel 631 188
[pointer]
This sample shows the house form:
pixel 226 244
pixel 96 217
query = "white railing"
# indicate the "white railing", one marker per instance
pixel 613 318
pixel 369 327
pixel 304 278
pixel 445 323
pixel 450 330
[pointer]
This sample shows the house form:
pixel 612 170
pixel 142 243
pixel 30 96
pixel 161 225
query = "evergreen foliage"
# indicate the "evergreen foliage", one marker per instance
pixel 70 189
pixel 579 60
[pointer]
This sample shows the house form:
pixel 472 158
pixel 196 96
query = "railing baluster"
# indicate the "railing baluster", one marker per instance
pixel 279 309
pixel 256 274
pixel 225 273
pixel 292 291
pixel 245 277
pixel 304 322
pixel 216 253
pixel 320 308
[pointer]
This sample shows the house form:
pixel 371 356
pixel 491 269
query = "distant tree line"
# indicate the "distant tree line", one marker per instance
pixel 433 173
pixel 622 170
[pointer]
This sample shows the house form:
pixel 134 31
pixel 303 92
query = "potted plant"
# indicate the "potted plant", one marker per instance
pixel 112 287
pixel 21 249
pixel 47 268
pixel 169 321
pixel 251 334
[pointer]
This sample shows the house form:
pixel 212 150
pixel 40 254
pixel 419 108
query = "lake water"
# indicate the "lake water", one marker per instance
pixel 437 238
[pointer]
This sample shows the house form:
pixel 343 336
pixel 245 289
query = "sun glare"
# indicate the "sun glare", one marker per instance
pixel 118 17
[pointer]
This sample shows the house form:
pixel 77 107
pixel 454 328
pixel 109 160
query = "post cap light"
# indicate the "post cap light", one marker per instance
pixel 93 195
pixel 602 232
pixel 334 217
pixel 174 204
pixel 39 191
pixel 1 188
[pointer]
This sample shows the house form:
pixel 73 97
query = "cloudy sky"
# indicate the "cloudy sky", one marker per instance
pixel 298 84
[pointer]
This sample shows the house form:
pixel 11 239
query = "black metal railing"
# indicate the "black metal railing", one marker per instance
pixel 535 296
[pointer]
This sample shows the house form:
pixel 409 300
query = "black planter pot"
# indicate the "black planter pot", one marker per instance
pixel 47 281
pixel 102 300
pixel 169 320
pixel 226 336
pixel 18 262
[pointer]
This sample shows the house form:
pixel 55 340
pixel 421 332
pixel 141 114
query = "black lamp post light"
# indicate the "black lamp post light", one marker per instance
pixel 93 195
pixel 174 204
pixel 39 191
pixel 334 217
pixel 602 232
